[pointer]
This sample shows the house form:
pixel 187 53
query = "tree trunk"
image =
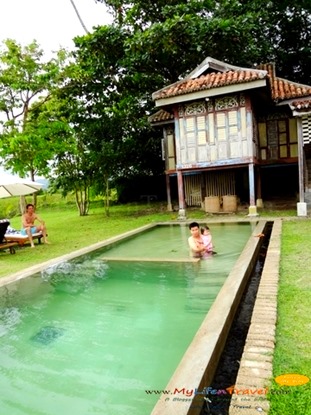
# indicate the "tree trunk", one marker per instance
pixel 106 199
pixel 34 199
pixel 82 200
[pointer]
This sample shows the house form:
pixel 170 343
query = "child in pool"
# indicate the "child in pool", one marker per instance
pixel 207 239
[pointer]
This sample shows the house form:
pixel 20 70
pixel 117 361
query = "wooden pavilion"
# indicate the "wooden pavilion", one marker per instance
pixel 233 134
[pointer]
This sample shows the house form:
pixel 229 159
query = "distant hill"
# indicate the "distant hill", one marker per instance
pixel 44 182
pixel 41 180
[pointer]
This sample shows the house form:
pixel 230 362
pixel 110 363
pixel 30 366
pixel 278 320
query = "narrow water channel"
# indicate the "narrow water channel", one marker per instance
pixel 229 363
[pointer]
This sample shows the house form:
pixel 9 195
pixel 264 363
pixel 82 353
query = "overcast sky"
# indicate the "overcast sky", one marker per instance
pixel 53 23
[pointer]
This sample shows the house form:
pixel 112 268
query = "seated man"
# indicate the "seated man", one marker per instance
pixel 28 226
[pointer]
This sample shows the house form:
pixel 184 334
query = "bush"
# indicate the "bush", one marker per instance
pixel 9 207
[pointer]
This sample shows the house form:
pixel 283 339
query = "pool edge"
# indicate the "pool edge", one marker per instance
pixel 91 248
pixel 199 363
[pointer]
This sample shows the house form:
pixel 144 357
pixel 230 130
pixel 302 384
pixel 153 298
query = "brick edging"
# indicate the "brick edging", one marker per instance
pixel 255 373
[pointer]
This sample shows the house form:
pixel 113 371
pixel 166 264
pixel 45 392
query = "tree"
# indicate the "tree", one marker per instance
pixel 71 168
pixel 26 85
pixel 154 43
pixel 112 120
pixel 244 32
pixel 73 171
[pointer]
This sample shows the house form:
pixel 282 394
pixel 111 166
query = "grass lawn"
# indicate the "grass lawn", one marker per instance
pixel 293 340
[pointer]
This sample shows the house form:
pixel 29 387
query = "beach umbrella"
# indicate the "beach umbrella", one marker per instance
pixel 15 186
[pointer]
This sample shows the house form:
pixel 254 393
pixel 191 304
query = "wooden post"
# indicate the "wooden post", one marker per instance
pixel 300 161
pixel 181 197
pixel 259 202
pixel 168 194
pixel 252 210
pixel 302 205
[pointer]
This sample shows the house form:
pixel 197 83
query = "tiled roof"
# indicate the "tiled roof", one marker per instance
pixel 209 81
pixel 283 89
pixel 280 89
pixel 161 116
pixel 301 105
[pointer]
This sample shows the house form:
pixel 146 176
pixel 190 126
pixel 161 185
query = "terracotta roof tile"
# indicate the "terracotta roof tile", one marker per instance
pixel 301 105
pixel 209 81
pixel 161 116
pixel 269 67
pixel 281 89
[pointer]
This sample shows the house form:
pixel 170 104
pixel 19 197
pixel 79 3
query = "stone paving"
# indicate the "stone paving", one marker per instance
pixel 255 371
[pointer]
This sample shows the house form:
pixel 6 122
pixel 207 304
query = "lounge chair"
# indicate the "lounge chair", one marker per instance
pixel 4 243
pixel 13 235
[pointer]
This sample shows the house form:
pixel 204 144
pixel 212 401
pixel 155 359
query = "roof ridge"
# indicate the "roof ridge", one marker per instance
pixel 217 65
pixel 211 80
pixel 221 74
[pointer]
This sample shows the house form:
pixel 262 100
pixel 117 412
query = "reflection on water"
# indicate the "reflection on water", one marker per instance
pixel 90 336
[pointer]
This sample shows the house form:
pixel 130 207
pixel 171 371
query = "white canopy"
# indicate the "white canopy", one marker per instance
pixel 16 186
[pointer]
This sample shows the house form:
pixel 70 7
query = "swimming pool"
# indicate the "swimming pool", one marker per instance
pixel 93 335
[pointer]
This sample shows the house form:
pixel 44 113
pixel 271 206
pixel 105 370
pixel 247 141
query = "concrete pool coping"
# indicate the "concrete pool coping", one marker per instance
pixel 139 259
pixel 198 365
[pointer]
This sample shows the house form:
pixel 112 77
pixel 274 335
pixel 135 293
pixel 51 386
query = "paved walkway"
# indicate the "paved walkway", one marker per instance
pixel 255 371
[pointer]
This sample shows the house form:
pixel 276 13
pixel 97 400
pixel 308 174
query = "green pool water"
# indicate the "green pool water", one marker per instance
pixel 91 336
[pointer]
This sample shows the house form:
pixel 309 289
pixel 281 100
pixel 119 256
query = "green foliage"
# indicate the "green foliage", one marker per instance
pixel 73 171
pixel 245 32
pixel 107 101
pixel 9 210
pixel 26 84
